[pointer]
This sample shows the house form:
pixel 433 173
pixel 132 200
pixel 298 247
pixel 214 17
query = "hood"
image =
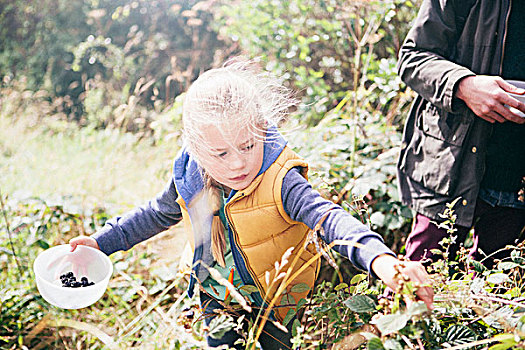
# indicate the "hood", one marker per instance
pixel 187 174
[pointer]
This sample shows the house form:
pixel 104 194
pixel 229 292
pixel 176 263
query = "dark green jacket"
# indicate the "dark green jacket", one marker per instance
pixel 443 150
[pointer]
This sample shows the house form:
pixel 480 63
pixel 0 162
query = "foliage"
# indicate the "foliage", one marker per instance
pixel 36 36
pixel 475 307
pixel 138 52
pixel 324 48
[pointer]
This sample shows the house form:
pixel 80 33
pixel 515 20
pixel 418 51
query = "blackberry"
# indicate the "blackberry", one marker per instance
pixel 69 280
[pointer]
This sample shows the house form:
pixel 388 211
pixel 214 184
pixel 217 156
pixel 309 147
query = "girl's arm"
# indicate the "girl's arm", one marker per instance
pixel 122 233
pixel 304 204
pixel 368 251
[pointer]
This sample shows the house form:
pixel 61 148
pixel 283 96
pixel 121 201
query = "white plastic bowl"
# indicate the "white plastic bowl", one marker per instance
pixel 84 261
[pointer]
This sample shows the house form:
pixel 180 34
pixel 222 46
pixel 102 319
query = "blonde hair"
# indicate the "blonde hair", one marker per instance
pixel 238 95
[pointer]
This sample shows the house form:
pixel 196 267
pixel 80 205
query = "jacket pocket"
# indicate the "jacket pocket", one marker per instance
pixel 444 126
pixel 434 152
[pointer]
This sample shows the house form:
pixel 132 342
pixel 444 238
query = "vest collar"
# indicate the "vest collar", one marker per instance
pixel 187 174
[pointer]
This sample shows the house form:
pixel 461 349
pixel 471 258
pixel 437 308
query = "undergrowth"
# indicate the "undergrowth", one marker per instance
pixel 475 308
pixel 145 305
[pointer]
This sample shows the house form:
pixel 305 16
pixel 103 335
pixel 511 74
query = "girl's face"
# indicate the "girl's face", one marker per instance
pixel 232 158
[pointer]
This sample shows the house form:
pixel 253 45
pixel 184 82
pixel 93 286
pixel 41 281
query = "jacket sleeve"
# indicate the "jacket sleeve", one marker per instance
pixel 426 57
pixel 304 204
pixel 122 233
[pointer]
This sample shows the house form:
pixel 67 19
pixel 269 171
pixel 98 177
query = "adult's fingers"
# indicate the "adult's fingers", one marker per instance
pixel 509 107
pixel 509 87
pixel 492 117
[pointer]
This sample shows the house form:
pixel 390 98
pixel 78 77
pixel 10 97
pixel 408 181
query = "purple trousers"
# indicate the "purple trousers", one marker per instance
pixel 494 228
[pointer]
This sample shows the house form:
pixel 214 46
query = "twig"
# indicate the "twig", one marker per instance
pixel 9 234
pixel 454 297
pixel 498 300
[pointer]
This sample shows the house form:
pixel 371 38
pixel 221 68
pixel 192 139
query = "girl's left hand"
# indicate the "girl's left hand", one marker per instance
pixel 76 263
pixel 386 266
pixel 83 240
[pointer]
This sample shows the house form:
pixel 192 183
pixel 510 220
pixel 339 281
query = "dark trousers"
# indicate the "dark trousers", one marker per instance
pixel 494 228
pixel 272 338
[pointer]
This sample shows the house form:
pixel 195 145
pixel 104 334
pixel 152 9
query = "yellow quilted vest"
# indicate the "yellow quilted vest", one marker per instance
pixel 263 232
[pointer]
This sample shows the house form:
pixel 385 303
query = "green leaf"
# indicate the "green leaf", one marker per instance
pixel 375 344
pixel 478 267
pixel 287 299
pixel 507 265
pixel 459 334
pixel 301 303
pixel 289 316
pixel 360 303
pixel 498 278
pixel 436 251
pixel 392 344
pixel 417 308
pixel 248 288
pixel 388 324
pixel 341 286
pixel 296 324
pixel 220 325
pixel 378 219
pixel 515 255
pixel 358 278
pixel 300 288
pixel 503 346
pixel 42 244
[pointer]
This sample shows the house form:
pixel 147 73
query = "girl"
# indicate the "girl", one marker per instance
pixel 245 201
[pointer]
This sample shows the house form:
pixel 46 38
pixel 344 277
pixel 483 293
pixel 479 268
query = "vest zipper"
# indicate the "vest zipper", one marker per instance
pixel 240 261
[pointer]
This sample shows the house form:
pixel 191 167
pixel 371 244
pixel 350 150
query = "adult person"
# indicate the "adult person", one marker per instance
pixel 461 139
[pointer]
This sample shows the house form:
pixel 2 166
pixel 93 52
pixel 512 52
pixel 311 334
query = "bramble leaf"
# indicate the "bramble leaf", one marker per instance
pixel 388 324
pixel 300 288
pixel 360 303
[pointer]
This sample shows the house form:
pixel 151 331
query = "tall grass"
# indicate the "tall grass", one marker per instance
pixel 94 166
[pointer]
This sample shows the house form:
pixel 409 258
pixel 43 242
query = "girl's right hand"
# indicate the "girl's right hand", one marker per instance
pixel 387 268
pixel 83 240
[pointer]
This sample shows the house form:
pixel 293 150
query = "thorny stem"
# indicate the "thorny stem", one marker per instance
pixel 508 246
pixel 9 234
pixel 498 300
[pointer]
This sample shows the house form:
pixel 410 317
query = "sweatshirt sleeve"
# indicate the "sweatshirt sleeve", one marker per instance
pixel 123 232
pixel 304 204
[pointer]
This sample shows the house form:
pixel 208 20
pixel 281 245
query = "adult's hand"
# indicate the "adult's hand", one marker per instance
pixel 487 96
pixel 83 240
pixel 386 267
